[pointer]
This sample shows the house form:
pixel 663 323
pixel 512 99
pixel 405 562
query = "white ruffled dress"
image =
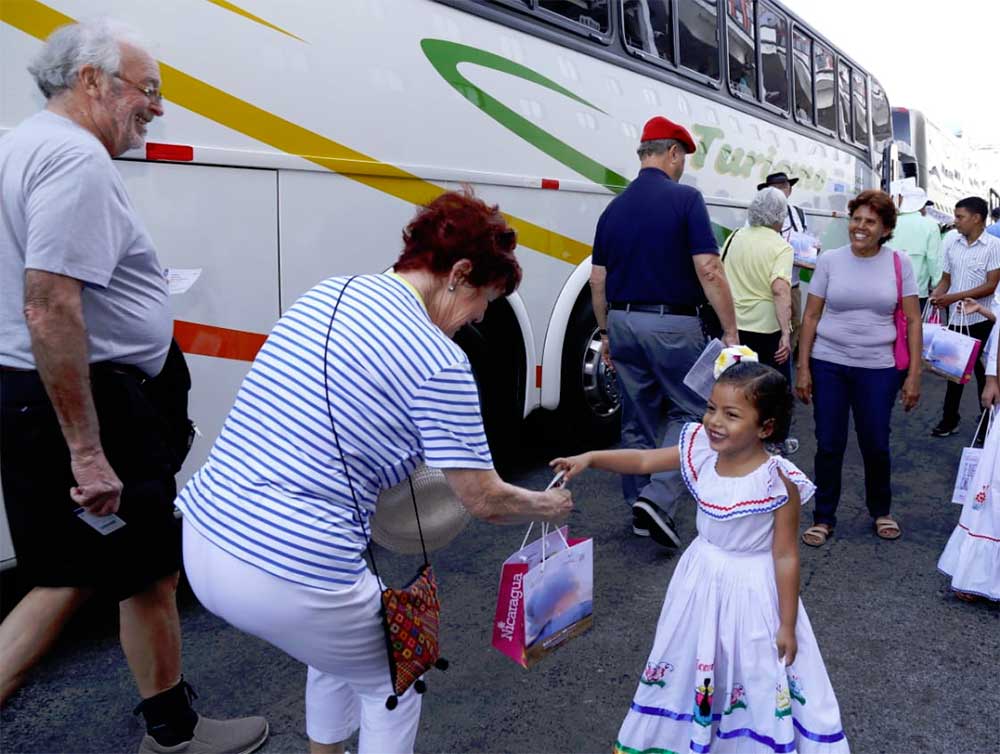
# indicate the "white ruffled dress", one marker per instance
pixel 972 555
pixel 713 681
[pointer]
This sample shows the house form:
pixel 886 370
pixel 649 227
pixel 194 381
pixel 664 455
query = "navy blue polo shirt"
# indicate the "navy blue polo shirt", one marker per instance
pixel 646 237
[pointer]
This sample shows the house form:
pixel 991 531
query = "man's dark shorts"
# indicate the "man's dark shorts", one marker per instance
pixel 52 545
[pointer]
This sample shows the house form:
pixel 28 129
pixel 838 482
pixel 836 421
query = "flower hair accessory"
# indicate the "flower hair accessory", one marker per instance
pixel 733 355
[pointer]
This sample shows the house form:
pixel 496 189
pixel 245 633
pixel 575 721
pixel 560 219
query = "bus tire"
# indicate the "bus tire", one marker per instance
pixel 496 353
pixel 589 413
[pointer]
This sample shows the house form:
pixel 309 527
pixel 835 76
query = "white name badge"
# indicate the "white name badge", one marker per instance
pixel 102 524
pixel 966 470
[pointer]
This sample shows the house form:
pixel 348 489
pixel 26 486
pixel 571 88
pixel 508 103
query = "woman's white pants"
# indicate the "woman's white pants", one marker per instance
pixel 337 634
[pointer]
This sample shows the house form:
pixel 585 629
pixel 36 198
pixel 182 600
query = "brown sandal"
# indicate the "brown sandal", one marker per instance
pixel 967 596
pixel 887 528
pixel 816 535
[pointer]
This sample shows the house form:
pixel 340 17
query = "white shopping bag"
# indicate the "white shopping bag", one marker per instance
pixel 805 249
pixel 969 463
pixel 931 326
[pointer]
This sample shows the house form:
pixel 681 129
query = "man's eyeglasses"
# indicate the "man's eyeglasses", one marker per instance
pixel 153 94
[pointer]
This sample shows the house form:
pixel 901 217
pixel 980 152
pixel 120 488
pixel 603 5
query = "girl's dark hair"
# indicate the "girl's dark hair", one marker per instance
pixel 767 389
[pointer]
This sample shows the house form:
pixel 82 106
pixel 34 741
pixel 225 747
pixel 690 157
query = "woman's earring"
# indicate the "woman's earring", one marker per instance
pixel 451 288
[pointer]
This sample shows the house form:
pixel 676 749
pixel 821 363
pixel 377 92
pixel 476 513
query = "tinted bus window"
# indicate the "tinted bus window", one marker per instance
pixel 881 117
pixel 802 73
pixel 773 33
pixel 698 24
pixel 860 91
pixel 592 14
pixel 826 90
pixel 844 111
pixel 901 126
pixel 742 54
pixel 648 27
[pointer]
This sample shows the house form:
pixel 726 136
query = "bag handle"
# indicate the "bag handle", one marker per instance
pixel 964 326
pixel 930 315
pixel 558 479
pixel 343 458
pixel 987 416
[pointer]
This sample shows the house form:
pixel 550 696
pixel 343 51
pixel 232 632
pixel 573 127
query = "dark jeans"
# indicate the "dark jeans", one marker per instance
pixel 765 344
pixel 953 393
pixel 869 395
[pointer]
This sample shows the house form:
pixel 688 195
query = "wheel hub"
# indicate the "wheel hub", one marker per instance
pixel 600 383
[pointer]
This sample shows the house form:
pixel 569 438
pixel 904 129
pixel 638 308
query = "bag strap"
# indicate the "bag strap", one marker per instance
pixel 930 316
pixel 987 416
pixel 802 217
pixel 343 458
pixel 962 327
pixel 725 246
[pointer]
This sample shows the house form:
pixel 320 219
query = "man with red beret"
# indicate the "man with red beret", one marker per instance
pixel 655 265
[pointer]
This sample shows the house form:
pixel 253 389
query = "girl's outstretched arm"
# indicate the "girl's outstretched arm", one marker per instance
pixel 621 461
pixel 785 551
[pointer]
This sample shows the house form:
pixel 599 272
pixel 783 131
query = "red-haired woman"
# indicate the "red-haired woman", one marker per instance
pixel 273 539
pixel 846 359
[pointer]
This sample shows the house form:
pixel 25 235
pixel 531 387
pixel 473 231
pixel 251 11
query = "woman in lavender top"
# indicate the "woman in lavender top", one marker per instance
pixel 846 360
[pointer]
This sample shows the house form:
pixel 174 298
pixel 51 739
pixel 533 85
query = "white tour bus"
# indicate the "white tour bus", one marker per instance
pixel 299 136
pixel 944 165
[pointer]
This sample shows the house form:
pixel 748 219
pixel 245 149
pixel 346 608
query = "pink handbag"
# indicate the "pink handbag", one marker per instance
pixel 901 349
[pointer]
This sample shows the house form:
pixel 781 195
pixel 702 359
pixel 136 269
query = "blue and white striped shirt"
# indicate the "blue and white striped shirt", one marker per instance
pixel 273 490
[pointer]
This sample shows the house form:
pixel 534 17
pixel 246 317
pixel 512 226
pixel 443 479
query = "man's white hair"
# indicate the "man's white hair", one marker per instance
pixel 95 42
pixel 769 207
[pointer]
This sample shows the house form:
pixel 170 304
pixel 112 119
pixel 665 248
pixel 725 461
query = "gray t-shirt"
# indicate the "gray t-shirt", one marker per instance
pixel 857 327
pixel 64 209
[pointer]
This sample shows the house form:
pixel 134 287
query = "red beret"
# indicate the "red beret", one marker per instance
pixel 662 128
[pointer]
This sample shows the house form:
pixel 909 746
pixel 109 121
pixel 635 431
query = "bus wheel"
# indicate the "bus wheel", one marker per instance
pixel 589 402
pixel 496 354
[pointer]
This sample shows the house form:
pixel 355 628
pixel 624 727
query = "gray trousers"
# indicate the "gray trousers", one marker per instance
pixel 652 353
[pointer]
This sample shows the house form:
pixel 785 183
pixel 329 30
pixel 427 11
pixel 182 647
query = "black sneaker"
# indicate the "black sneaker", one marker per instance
pixel 659 525
pixel 638 528
pixel 944 430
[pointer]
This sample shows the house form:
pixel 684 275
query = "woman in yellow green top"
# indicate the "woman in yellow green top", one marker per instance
pixel 758 264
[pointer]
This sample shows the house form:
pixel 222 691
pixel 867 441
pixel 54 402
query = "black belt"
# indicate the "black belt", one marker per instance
pixel 683 311
pixel 14 369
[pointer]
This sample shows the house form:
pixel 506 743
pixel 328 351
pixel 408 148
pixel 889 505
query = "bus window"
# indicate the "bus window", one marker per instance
pixel 648 27
pixel 860 108
pixel 844 111
pixel 773 32
pixel 698 24
pixel 742 55
pixel 592 14
pixel 826 90
pixel 881 123
pixel 802 71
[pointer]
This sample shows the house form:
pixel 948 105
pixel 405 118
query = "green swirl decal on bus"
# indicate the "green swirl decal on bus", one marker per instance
pixel 446 56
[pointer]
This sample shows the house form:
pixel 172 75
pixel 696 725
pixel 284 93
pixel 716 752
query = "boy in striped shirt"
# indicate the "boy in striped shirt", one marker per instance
pixel 971 268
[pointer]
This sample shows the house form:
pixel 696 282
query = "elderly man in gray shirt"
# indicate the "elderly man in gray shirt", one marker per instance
pixel 92 394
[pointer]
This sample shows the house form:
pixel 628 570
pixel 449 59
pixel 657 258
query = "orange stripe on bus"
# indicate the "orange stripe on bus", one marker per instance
pixel 208 340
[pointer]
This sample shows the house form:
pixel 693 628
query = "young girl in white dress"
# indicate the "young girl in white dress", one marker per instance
pixel 735 666
pixel 972 556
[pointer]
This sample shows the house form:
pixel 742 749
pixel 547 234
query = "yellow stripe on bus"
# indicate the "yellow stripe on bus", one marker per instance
pixel 256 19
pixel 39 20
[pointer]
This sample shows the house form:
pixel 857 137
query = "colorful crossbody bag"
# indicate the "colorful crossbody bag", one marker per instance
pixel 411 615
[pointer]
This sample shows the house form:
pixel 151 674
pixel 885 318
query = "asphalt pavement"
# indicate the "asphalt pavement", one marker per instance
pixel 914 669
